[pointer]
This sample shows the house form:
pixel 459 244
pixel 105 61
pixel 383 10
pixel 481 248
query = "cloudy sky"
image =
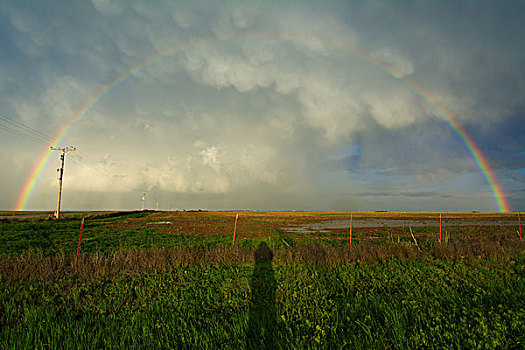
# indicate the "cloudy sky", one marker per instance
pixel 324 105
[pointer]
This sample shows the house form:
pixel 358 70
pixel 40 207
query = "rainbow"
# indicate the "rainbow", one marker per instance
pixel 479 159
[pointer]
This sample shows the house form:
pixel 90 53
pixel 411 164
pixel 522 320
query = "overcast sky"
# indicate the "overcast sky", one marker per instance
pixel 264 105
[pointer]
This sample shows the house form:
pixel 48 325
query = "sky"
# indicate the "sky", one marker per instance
pixel 263 105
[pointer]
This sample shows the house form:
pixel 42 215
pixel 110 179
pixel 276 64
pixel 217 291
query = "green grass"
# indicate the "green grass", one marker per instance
pixel 51 237
pixel 138 286
pixel 392 304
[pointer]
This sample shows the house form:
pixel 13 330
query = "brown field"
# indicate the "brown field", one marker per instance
pixel 289 235
pixel 297 225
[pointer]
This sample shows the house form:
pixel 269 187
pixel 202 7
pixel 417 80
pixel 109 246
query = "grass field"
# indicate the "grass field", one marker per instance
pixel 173 280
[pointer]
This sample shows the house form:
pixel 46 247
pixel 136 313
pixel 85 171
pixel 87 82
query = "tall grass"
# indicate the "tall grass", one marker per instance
pixel 139 286
pixel 392 303
pixel 34 264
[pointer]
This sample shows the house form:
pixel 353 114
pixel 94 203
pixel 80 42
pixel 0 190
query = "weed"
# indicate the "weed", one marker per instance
pixel 182 285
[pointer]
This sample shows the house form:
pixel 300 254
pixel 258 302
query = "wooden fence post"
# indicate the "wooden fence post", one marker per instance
pixel 519 222
pixel 439 227
pixel 234 230
pixel 79 239
pixel 351 224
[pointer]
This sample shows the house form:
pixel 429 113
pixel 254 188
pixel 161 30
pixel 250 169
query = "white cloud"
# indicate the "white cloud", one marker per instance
pixel 396 108
pixel 440 176
pixel 331 109
pixel 255 95
pixel 33 36
pixel 399 64
pixel 109 7
pixel 61 99
pixel 210 157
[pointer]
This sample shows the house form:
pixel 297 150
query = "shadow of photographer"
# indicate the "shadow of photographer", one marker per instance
pixel 262 319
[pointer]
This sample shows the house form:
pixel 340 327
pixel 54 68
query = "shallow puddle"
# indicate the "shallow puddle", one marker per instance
pixel 371 223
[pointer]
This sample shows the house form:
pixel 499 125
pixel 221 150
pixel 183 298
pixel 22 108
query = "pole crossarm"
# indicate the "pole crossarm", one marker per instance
pixel 63 149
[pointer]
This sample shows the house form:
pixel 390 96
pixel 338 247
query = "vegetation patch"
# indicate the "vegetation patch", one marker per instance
pixel 138 285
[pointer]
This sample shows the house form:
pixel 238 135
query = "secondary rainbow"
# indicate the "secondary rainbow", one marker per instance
pixel 479 159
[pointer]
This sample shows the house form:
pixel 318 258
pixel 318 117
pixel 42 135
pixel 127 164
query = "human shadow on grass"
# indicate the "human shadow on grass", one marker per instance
pixel 262 321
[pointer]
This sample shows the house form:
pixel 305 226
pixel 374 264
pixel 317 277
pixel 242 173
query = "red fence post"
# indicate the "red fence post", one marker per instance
pixel 519 222
pixel 79 239
pixel 439 227
pixel 235 229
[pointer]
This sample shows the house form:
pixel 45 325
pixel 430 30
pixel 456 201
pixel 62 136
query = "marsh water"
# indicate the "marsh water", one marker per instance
pixel 379 222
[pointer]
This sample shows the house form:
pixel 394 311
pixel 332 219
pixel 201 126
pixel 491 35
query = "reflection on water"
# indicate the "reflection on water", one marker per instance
pixel 383 222
pixel 262 322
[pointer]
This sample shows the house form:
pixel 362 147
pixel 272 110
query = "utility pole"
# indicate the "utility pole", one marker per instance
pixel 157 209
pixel 61 173
pixel 143 198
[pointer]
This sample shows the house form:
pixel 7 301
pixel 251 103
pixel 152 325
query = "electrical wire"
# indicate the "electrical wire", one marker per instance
pixel 19 129
pixel 22 134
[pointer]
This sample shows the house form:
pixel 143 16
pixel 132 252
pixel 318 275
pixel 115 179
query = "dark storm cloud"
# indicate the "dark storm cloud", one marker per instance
pixel 235 116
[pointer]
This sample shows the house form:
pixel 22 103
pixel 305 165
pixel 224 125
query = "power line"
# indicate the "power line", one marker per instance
pixel 19 129
pixel 89 168
pixel 25 127
pixel 95 167
pixel 24 130
pixel 20 133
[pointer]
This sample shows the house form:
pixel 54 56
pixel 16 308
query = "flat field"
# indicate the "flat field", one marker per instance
pixel 292 280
